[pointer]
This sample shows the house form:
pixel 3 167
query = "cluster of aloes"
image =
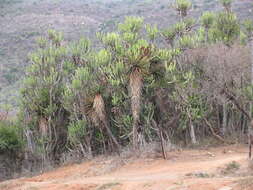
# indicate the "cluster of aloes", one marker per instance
pixel 42 90
pixel 111 92
pixel 84 95
pixel 132 65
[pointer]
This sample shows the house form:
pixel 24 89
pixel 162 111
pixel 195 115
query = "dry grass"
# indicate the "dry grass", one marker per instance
pixel 250 165
pixel 200 175
pixel 107 164
pixel 3 185
pixel 107 186
pixel 7 185
pixel 245 183
pixel 149 150
pixel 229 168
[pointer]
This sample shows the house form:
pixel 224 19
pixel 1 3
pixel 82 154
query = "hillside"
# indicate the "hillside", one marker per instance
pixel 223 168
pixel 22 21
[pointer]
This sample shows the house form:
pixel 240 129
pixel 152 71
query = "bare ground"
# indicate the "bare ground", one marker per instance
pixel 184 170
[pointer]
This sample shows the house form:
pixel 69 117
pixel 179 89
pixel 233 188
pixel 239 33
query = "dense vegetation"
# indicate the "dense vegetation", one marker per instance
pixel 181 84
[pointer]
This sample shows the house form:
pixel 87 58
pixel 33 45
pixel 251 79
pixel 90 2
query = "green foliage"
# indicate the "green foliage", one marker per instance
pixel 180 28
pixel 43 91
pixel 201 33
pixel 243 38
pixel 77 132
pixel 55 37
pixel 187 42
pixel 132 81
pixel 43 75
pixel 10 137
pixel 182 6
pixel 191 104
pixel 248 26
pixel 226 3
pixel 207 20
pixel 189 23
pixel 226 28
pixel 102 58
pixel 131 25
pixel 170 35
pixel 42 42
pixel 112 41
pixel 80 50
pixel 152 32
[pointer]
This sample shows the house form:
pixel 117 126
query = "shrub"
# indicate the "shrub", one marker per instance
pixel 10 139
pixel 76 132
pixel 230 168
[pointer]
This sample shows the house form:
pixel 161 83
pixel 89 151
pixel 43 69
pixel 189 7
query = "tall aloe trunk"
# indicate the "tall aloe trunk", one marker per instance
pixel 207 34
pixel 135 86
pixel 192 133
pixel 224 119
pixel 250 128
pixel 99 107
pixel 251 55
pixel 43 127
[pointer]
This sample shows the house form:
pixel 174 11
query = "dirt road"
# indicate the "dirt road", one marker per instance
pixel 184 170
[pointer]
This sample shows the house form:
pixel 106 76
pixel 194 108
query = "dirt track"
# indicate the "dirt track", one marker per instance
pixel 187 170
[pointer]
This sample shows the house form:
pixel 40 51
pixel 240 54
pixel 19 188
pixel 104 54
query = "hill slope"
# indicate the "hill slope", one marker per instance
pixel 22 21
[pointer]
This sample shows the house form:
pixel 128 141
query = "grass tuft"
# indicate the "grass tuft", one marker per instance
pixel 107 186
pixel 230 168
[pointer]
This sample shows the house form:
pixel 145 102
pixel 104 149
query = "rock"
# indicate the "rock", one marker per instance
pixel 210 154
pixel 225 188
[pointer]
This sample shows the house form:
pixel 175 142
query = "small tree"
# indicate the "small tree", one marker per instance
pixel 10 137
pixel 226 28
pixel 85 95
pixel 207 21
pixel 182 7
pixel 42 93
pixel 248 27
pixel 227 4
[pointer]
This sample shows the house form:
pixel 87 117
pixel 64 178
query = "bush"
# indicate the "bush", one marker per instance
pixel 10 139
pixel 76 132
pixel 230 168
